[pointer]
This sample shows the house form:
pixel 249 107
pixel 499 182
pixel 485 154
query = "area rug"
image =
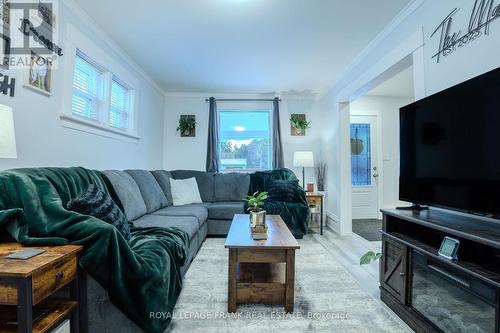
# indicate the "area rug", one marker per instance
pixel 327 298
pixel 368 229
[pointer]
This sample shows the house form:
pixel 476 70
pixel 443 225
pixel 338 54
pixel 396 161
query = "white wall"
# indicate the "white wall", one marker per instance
pixel 190 153
pixel 387 110
pixel 42 141
pixel 475 58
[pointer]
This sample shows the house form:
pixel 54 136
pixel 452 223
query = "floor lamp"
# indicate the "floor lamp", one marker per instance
pixel 303 159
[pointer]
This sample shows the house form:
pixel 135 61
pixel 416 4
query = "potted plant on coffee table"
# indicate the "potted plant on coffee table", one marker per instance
pixel 257 212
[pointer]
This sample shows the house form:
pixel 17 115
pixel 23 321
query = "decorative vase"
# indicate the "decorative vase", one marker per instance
pixel 257 218
pixel 310 187
pixel 187 132
pixel 298 131
pixel 258 227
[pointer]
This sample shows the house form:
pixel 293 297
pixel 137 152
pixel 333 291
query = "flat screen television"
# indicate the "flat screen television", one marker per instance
pixel 450 148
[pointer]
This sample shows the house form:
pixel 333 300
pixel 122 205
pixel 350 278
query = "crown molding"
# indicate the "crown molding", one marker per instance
pixel 188 94
pixel 95 28
pixel 409 9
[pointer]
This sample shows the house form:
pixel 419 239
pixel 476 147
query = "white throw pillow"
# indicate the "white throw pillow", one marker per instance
pixel 184 191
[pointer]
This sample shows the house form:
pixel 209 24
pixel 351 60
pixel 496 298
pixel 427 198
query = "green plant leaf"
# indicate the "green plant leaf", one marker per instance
pixel 256 201
pixel 368 257
pixel 186 124
pixel 299 123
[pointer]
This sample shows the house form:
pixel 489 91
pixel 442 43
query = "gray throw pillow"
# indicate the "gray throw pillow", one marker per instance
pixel 98 204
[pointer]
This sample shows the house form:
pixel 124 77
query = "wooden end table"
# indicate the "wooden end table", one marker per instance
pixel 261 271
pixel 317 198
pixel 26 287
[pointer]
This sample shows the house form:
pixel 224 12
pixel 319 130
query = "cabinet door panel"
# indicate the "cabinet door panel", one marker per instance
pixel 394 267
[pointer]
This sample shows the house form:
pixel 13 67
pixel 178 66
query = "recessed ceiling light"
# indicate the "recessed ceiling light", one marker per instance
pixel 239 129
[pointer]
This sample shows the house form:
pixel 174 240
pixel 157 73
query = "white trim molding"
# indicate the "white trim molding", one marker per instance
pixel 409 9
pixel 332 221
pixel 95 28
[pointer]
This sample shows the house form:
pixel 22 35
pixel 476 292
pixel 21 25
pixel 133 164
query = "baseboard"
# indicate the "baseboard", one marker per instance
pixel 333 221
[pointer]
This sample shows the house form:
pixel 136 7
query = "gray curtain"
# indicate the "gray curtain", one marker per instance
pixel 278 160
pixel 213 138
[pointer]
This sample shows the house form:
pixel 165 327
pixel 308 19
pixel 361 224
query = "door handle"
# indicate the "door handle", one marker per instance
pixel 375 175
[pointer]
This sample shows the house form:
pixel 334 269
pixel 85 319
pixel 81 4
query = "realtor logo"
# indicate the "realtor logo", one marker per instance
pixel 29 27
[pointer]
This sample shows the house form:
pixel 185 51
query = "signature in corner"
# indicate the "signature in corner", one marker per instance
pixel 483 13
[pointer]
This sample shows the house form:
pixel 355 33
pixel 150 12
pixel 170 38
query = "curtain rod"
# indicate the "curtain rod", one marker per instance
pixel 242 100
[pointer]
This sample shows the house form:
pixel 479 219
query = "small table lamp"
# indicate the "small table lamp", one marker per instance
pixel 7 134
pixel 303 159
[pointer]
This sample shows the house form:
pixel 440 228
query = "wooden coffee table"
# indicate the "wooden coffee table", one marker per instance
pixel 263 271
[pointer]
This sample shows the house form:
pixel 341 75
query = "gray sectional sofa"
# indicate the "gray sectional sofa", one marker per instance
pixel 147 202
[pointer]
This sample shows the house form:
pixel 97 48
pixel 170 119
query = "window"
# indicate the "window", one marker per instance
pixel 120 105
pixel 361 154
pixel 100 96
pixel 88 84
pixel 245 139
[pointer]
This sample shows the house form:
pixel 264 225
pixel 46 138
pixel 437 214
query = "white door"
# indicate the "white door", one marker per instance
pixel 364 167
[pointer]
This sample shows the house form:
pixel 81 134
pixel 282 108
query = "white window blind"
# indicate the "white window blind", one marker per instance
pixel 88 83
pixel 120 105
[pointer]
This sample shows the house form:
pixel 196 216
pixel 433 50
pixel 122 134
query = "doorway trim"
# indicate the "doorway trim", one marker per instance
pixel 410 52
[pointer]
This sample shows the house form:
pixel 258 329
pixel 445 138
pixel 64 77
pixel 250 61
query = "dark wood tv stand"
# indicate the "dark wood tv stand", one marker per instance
pixel 410 266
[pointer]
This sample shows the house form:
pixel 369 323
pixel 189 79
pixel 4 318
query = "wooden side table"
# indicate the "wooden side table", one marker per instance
pixel 26 287
pixel 317 198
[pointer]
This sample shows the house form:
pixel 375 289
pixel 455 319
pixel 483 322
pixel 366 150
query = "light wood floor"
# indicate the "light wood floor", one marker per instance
pixel 347 250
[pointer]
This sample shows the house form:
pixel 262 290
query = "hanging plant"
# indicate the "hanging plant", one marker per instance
pixel 299 123
pixel 357 146
pixel 187 124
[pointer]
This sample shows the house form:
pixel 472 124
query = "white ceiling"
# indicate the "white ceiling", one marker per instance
pixel 243 46
pixel 400 85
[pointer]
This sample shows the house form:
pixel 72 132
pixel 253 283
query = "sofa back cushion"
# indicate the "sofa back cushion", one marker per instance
pixel 259 180
pixel 163 178
pixel 205 180
pixel 153 196
pixel 128 192
pixel 231 186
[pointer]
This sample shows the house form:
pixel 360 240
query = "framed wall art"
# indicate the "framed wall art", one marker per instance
pixel 39 75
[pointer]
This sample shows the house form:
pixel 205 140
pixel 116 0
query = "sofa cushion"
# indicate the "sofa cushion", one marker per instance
pixel 194 210
pixel 218 227
pixel 282 190
pixel 187 223
pixel 153 196
pixel 128 192
pixel 205 180
pixel 231 186
pixel 163 179
pixel 96 203
pixel 225 210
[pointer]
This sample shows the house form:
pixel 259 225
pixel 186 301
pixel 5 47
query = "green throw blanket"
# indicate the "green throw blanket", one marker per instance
pixel 140 276
pixel 295 214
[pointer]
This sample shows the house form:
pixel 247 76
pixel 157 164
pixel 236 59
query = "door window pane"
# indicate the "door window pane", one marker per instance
pixel 361 155
pixel 245 140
